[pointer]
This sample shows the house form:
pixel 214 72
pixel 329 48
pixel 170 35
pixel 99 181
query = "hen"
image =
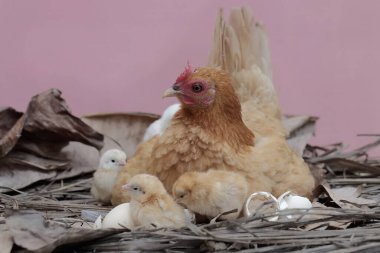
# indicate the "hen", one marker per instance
pixel 229 119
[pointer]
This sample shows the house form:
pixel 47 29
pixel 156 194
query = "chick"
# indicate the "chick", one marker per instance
pixel 212 193
pixel 105 176
pixel 159 126
pixel 151 206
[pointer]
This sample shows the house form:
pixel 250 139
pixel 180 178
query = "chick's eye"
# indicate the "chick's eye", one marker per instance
pixel 112 161
pixel 197 87
pixel 135 188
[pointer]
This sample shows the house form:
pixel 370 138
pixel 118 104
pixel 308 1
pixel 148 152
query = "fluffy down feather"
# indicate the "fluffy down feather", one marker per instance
pixel 211 193
pixel 159 126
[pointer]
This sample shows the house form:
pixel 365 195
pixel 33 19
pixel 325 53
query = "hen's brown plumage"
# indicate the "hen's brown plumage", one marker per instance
pixel 234 124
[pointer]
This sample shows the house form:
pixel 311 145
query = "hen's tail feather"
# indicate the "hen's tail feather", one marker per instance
pixel 240 43
pixel 241 47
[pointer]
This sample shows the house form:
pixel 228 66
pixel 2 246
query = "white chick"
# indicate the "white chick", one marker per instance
pixel 159 126
pixel 151 206
pixel 105 176
pixel 212 193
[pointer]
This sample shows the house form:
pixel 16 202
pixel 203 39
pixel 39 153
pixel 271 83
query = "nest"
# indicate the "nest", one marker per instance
pixel 45 212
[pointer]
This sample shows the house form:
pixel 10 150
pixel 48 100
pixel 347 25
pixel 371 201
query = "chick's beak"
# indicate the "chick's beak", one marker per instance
pixel 172 91
pixel 122 164
pixel 126 187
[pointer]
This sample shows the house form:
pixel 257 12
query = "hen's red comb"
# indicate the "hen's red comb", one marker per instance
pixel 182 77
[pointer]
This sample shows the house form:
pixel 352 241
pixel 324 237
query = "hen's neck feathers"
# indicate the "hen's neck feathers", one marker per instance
pixel 222 119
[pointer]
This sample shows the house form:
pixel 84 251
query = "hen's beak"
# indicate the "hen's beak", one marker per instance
pixel 171 92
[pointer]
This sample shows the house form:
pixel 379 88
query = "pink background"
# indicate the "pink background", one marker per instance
pixel 121 55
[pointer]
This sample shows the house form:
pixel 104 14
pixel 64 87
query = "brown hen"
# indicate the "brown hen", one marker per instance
pixel 229 119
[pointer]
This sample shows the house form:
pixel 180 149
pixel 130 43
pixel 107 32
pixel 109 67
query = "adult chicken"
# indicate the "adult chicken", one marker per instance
pixel 229 119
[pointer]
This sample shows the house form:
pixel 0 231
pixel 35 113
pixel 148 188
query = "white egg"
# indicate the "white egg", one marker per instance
pixel 118 217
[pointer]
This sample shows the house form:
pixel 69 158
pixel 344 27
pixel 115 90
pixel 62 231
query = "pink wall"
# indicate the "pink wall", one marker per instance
pixel 121 55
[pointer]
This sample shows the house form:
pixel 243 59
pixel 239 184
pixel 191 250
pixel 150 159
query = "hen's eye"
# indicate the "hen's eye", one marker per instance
pixel 135 188
pixel 197 87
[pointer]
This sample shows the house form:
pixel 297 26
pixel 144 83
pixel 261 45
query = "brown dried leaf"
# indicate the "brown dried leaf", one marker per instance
pixel 46 149
pixel 17 177
pixel 11 124
pixel 29 160
pixel 127 129
pixel 49 118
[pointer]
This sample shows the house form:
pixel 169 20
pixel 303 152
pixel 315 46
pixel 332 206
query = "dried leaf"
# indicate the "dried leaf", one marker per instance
pixel 6 241
pixel 83 159
pixel 294 123
pixel 11 124
pixel 346 195
pixel 30 160
pixel 49 118
pixel 351 194
pixel 122 130
pixel 18 177
pixel 47 128
pixel 301 129
pixel 327 224
pixel 46 149
pixel 126 128
pixel 31 232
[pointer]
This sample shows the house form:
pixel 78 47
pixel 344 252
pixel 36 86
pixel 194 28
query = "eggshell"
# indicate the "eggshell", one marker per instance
pixel 118 217
pixel 289 200
pixel 255 203
pixel 298 202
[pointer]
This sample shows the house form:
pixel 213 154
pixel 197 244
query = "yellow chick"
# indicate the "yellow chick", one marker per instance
pixel 105 176
pixel 151 206
pixel 212 193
